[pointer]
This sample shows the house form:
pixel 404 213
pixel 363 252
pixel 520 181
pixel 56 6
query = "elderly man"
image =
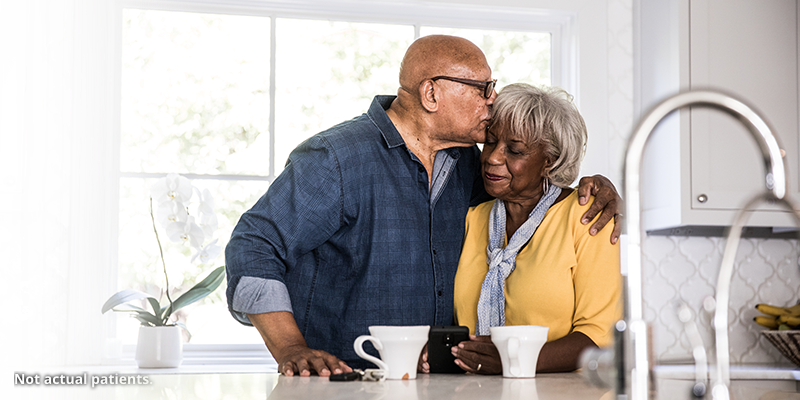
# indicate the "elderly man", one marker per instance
pixel 365 224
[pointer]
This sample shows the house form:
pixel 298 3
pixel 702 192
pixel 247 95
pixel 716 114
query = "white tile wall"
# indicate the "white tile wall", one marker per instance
pixel 686 269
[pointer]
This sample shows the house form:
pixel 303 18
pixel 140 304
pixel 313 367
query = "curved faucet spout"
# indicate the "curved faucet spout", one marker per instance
pixel 722 370
pixel 637 369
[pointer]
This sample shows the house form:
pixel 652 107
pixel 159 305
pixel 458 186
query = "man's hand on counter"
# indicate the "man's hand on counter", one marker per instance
pixel 478 355
pixel 284 340
pixel 304 361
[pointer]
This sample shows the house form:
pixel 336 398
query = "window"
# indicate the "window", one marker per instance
pixel 196 99
pixel 222 96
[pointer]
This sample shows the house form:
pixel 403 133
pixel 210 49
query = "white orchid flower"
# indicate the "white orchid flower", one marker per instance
pixel 209 223
pixel 186 231
pixel 208 252
pixel 208 219
pixel 171 211
pixel 172 188
pixel 206 202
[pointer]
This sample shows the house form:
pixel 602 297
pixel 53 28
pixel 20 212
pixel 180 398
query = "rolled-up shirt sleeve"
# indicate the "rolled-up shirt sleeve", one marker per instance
pixel 301 210
pixel 257 296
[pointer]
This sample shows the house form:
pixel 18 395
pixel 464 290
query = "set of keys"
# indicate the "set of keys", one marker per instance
pixel 367 375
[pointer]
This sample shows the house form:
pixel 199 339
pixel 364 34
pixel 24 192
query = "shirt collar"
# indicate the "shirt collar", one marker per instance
pixel 377 113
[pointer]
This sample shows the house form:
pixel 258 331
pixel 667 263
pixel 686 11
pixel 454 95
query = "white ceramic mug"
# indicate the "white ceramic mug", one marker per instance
pixel 519 348
pixel 399 347
pixel 515 389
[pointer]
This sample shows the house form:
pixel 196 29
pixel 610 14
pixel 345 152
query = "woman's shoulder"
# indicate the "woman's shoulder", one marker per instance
pixel 478 216
pixel 569 202
pixel 482 209
pixel 569 210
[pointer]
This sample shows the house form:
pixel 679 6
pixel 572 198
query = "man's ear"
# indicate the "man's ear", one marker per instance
pixel 428 96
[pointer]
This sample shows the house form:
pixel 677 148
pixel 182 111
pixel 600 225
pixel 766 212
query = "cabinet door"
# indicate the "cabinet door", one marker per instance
pixel 750 50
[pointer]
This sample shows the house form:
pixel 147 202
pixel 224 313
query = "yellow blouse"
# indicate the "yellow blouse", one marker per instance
pixel 564 279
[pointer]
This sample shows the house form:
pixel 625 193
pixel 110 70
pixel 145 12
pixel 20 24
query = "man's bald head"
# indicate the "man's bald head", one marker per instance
pixel 444 113
pixel 436 55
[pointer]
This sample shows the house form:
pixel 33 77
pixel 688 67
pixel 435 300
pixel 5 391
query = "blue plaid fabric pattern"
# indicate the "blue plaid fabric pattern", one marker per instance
pixel 502 261
pixel 350 229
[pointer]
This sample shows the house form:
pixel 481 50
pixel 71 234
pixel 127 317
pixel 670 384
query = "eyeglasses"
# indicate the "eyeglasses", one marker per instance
pixel 487 86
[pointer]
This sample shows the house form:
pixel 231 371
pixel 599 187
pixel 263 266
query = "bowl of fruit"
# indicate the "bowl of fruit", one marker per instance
pixel 784 329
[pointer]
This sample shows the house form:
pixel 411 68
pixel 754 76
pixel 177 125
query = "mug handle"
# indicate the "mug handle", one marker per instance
pixel 358 346
pixel 513 356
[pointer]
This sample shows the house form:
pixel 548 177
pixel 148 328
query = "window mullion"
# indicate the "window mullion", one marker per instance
pixel 272 63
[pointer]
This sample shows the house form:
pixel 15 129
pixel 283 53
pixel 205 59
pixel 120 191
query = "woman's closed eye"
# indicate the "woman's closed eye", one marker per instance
pixel 515 149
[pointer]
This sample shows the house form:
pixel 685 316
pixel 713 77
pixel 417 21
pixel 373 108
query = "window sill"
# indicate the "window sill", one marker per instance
pixel 184 369
pixel 197 359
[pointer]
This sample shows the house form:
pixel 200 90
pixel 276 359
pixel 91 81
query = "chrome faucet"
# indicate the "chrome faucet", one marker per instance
pixel 719 390
pixel 631 353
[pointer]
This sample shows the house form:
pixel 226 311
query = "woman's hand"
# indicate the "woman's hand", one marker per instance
pixel 423 365
pixel 478 355
pixel 606 202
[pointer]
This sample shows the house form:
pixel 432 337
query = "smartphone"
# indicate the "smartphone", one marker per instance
pixel 440 340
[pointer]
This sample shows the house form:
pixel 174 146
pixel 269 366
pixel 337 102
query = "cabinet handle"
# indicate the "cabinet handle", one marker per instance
pixel 702 198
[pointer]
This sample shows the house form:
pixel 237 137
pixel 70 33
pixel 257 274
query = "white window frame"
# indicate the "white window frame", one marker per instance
pixel 569 69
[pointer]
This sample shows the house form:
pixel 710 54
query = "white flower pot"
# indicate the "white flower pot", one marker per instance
pixel 159 347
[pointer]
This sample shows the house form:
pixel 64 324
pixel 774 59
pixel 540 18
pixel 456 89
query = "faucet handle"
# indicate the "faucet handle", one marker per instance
pixel 686 316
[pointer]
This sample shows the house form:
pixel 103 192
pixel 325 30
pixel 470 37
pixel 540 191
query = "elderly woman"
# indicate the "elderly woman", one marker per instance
pixel 526 259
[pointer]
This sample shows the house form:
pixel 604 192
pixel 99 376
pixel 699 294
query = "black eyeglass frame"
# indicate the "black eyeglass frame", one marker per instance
pixel 487 86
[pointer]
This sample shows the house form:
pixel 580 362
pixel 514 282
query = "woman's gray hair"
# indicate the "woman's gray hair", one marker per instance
pixel 547 117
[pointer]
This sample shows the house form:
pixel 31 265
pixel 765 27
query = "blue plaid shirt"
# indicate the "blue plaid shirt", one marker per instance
pixel 349 235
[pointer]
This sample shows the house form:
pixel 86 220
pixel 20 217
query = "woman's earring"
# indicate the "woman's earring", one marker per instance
pixel 545 185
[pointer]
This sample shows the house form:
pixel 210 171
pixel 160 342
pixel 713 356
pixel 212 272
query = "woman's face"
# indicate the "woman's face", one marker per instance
pixel 512 168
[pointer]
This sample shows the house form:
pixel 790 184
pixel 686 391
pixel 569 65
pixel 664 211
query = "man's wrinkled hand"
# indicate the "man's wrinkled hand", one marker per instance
pixel 606 202
pixel 304 361
pixel 478 355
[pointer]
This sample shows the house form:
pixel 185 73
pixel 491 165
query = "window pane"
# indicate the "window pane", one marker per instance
pixel 513 56
pixel 140 266
pixel 328 72
pixel 195 93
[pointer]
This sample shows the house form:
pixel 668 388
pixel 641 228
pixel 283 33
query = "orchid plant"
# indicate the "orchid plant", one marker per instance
pixel 173 195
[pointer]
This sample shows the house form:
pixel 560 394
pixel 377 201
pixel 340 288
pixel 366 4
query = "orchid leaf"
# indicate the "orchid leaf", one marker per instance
pixel 163 311
pixel 200 290
pixel 133 308
pixel 123 297
pixel 156 307
pixel 147 319
pixel 182 325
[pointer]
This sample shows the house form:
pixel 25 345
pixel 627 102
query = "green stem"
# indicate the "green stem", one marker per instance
pixel 163 263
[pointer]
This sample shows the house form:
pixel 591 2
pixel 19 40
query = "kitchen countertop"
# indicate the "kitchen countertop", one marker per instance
pixel 737 372
pixel 272 386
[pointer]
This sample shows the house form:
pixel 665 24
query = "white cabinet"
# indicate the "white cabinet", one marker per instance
pixel 701 165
